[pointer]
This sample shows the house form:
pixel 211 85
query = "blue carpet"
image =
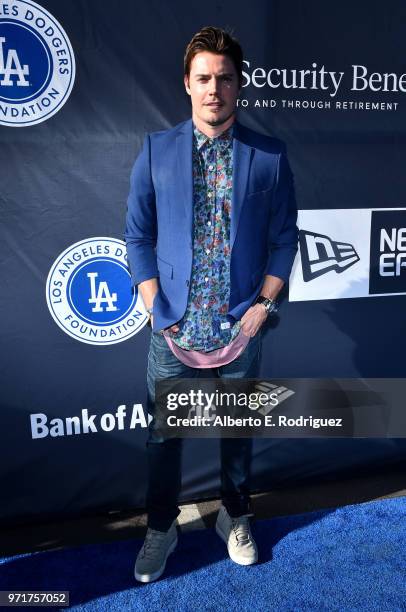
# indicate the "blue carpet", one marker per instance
pixel 351 558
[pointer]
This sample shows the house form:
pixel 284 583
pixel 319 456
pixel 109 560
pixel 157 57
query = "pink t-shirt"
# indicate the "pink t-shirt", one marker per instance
pixel 212 359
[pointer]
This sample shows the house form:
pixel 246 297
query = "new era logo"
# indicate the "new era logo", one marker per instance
pixel 320 255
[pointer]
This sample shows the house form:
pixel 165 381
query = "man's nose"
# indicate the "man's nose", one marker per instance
pixel 214 85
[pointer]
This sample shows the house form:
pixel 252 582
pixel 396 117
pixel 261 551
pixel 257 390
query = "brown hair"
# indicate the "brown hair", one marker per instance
pixel 214 40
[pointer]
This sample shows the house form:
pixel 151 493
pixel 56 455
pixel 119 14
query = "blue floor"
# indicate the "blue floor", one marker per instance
pixel 350 558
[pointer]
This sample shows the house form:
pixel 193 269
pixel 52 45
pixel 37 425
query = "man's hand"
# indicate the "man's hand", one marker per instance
pixel 256 315
pixel 252 320
pixel 172 328
pixel 149 289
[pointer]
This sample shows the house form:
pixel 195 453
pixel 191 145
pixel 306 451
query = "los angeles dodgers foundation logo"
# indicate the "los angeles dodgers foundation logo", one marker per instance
pixel 89 293
pixel 37 64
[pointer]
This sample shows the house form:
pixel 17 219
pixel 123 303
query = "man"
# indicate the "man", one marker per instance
pixel 211 238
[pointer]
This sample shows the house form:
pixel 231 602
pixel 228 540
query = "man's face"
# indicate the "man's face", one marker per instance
pixel 213 88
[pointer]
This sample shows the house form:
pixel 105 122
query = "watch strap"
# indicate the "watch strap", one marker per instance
pixel 269 303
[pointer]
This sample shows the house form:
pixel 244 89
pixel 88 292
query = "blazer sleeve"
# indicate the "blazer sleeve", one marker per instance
pixel 141 223
pixel 283 232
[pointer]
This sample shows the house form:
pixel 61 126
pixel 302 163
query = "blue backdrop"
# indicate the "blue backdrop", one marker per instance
pixel 65 167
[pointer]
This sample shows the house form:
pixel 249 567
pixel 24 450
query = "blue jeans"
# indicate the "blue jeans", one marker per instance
pixel 165 456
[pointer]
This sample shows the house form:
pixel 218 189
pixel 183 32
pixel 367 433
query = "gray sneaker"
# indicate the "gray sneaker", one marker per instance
pixel 236 533
pixel 157 547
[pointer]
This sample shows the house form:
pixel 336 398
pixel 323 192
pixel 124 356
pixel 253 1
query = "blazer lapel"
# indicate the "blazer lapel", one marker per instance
pixel 241 167
pixel 184 153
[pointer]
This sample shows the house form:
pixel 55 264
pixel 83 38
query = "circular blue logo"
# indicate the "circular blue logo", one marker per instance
pixel 100 291
pixel 27 74
pixel 37 64
pixel 90 295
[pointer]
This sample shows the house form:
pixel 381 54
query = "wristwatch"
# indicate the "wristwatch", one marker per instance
pixel 271 306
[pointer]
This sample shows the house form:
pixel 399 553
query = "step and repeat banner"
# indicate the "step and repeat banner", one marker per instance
pixel 80 85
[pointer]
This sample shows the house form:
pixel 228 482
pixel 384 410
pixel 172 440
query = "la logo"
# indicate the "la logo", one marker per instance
pixel 103 295
pixel 12 67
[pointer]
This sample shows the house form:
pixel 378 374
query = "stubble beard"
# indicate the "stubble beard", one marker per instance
pixel 217 122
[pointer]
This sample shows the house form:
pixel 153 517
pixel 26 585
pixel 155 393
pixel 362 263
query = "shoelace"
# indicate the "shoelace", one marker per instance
pixel 152 543
pixel 240 527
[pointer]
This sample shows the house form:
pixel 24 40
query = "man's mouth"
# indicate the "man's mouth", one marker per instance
pixel 214 104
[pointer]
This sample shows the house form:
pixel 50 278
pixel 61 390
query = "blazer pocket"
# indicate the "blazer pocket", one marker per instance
pixel 259 193
pixel 164 267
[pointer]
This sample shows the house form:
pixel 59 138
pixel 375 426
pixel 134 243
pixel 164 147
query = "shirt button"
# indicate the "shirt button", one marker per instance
pixel 206 278
pixel 209 223
pixel 210 194
pixel 207 251
pixel 211 167
pixel 204 305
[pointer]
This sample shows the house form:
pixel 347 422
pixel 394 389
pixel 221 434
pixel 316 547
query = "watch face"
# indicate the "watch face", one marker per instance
pixel 270 305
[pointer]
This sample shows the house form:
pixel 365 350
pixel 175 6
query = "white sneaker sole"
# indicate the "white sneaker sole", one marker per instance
pixel 158 573
pixel 233 557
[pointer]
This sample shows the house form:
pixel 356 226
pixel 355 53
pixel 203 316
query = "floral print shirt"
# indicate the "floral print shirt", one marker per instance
pixel 205 325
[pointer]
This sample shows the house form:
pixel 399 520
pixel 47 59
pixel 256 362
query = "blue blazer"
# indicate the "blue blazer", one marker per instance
pixel 159 232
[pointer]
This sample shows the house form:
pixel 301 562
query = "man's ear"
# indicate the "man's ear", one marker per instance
pixel 186 82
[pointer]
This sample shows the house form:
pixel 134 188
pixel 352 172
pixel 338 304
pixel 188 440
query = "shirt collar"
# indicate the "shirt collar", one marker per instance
pixel 223 140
